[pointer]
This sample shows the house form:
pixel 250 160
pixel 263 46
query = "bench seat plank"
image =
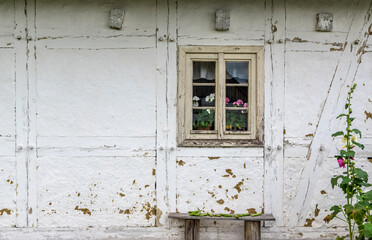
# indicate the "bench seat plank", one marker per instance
pixel 186 216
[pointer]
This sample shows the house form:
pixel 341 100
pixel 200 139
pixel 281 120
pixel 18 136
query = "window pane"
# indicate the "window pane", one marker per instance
pixel 204 72
pixel 237 72
pixel 236 120
pixel 203 96
pixel 236 96
pixel 203 119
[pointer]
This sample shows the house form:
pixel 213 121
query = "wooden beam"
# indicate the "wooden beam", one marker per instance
pixel 192 229
pixel 343 77
pixel 252 230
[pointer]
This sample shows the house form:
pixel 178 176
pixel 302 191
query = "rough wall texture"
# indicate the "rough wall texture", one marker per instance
pixel 88 117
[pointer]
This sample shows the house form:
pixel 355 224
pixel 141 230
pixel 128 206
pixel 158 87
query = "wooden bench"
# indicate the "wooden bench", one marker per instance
pixel 252 225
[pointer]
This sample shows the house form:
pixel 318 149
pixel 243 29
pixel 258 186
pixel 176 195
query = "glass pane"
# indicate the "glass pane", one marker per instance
pixel 236 120
pixel 204 72
pixel 237 96
pixel 203 96
pixel 203 119
pixel 237 72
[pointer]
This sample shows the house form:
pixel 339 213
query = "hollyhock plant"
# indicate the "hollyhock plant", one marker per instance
pixel 341 162
pixel 227 100
pixel 354 181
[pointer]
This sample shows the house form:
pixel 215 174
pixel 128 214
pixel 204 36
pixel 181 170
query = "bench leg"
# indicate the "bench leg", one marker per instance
pixel 252 230
pixel 192 229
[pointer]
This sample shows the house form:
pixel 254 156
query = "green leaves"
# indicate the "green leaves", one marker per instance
pixel 352 181
pixel 341 115
pixel 357 132
pixel 341 238
pixel 334 180
pixel 361 174
pixel 339 133
pixel 368 195
pixel 358 144
pixel 368 230
pixel 347 154
pixel 336 209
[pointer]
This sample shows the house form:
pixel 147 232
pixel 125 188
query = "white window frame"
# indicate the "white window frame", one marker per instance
pixel 220 137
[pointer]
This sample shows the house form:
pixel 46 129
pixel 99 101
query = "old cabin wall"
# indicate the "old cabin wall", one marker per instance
pixel 88 117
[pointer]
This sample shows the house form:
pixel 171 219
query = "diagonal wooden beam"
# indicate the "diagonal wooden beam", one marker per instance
pixel 344 75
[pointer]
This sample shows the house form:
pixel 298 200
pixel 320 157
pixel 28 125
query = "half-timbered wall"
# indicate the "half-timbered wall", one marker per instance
pixel 88 117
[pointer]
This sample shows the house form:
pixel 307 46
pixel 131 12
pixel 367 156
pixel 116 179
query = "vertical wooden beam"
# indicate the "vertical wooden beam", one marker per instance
pixel 274 106
pixel 172 74
pixel 252 230
pixel 22 103
pixel 161 112
pixel 31 74
pixel 192 229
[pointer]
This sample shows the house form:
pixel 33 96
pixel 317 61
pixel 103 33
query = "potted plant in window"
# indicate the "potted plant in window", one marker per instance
pixel 236 120
pixel 204 119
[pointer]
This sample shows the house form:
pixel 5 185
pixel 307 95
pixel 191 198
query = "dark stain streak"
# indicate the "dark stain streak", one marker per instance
pixel 6 210
pixel 309 222
pixel 368 115
pixel 84 210
pixel 297 39
pixel 317 210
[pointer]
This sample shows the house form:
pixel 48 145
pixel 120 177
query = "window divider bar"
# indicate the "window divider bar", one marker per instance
pixel 221 95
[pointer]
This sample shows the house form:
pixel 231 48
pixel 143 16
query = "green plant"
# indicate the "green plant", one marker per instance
pixel 235 119
pixel 203 118
pixel 357 210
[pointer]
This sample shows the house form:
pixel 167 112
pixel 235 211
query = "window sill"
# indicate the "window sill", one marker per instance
pixel 221 143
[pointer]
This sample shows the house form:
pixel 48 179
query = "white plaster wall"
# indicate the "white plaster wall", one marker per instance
pixel 88 118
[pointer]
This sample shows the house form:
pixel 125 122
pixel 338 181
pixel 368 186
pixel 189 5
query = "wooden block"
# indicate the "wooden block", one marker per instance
pixel 192 229
pixel 252 230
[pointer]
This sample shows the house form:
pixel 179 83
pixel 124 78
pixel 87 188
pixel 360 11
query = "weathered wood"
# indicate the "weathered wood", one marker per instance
pixel 252 230
pixel 186 216
pixel 274 108
pixel 192 229
pixel 343 77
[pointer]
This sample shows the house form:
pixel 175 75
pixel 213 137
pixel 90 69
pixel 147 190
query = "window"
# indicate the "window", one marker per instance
pixel 220 96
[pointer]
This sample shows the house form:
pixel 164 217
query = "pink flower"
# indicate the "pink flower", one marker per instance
pixel 238 103
pixel 227 100
pixel 341 162
pixel 245 105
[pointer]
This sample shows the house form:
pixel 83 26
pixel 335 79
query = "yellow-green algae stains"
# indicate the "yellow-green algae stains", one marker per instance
pixel 5 210
pixel 84 210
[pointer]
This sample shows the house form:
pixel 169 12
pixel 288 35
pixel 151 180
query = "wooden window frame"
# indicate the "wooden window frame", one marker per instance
pixel 219 137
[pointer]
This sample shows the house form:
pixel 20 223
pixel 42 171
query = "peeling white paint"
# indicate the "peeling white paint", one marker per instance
pixel 88 118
